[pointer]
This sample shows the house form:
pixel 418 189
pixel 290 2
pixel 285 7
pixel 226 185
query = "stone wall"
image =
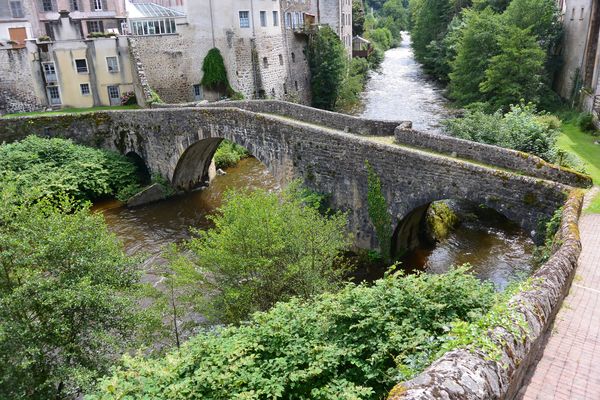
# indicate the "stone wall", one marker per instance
pixel 501 157
pixel 465 375
pixel 17 82
pixel 343 122
pixel 178 144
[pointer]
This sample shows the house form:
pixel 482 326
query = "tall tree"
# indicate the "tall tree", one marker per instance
pixel 477 44
pixel 516 73
pixel 328 62
pixel 430 22
pixel 358 17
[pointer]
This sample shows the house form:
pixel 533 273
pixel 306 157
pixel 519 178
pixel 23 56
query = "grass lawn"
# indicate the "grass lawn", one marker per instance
pixel 582 144
pixel 70 111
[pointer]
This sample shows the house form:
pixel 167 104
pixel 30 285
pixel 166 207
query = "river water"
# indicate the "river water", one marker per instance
pixel 401 91
pixel 497 249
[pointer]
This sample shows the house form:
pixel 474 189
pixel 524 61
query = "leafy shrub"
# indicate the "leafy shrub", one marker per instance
pixel 549 228
pixel 585 122
pixel 128 98
pixel 56 167
pixel 378 212
pixel 519 129
pixel 154 98
pixel 265 248
pixel 354 344
pixel 229 154
pixel 66 298
pixel 214 74
pixel 382 37
pixel 328 62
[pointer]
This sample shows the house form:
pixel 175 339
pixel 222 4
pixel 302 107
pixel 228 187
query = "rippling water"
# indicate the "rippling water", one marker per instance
pixel 401 91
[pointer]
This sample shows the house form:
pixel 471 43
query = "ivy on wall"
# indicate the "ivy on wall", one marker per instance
pixel 214 73
pixel 378 212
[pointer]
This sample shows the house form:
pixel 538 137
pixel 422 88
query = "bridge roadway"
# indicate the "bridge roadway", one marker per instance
pixel 328 152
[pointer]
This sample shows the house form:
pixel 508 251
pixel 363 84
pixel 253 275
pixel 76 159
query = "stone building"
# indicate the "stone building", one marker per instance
pixel 88 16
pixel 338 15
pixel 255 46
pixel 17 23
pixel 578 79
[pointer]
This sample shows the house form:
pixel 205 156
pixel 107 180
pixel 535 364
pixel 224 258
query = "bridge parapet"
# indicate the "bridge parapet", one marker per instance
pixel 338 121
pixel 517 161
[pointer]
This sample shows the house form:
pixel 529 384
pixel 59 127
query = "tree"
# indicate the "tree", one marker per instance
pixel 67 304
pixel 516 74
pixel 477 44
pixel 430 19
pixel 327 61
pixel 381 37
pixel 358 18
pixel 266 248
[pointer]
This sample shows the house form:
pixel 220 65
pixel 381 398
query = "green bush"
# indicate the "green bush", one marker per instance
pixel 328 66
pixel 519 129
pixel 354 344
pixel 214 73
pixel 266 247
pixel 67 298
pixel 228 154
pixel 585 122
pixel 56 167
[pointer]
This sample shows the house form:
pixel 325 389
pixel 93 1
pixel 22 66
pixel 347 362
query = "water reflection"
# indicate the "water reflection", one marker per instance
pixel 151 227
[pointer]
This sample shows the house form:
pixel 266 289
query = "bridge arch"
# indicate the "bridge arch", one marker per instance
pixel 408 227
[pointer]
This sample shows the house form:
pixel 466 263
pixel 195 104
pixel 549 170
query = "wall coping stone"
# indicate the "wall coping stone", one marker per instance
pixel 470 375
pixel 507 158
pixel 342 122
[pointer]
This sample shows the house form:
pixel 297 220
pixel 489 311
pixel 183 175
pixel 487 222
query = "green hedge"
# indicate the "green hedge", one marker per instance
pixel 355 344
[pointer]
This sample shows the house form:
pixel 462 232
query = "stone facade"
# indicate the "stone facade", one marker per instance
pixel 338 15
pixel 256 51
pixel 16 82
pixel 579 78
pixel 179 143
pixel 471 375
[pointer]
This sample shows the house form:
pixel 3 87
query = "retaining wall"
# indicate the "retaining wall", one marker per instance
pixel 492 155
pixel 464 375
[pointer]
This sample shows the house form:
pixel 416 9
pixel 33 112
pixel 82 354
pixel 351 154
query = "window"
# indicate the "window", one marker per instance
pixel 49 72
pixel 296 85
pixel 95 26
pixel 244 19
pixel 581 14
pixel 53 95
pixel 97 5
pixel 280 59
pixel 81 66
pixel 16 9
pixel 85 89
pixel 112 64
pixel 265 62
pixel 47 5
pixel 263 18
pixel 275 18
pixel 198 95
pixel 573 14
pixel 288 20
pixel 74 5
pixel 293 57
pixel 153 27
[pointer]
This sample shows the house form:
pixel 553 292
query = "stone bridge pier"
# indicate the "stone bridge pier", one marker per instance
pixel 328 153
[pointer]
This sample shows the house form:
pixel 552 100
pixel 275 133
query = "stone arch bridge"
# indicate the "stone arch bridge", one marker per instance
pixel 328 151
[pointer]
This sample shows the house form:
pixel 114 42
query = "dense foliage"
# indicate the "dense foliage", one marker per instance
pixel 327 60
pixel 66 298
pixel 494 52
pixel 56 167
pixel 378 212
pixel 521 129
pixel 229 154
pixel 214 74
pixel 264 248
pixel 354 344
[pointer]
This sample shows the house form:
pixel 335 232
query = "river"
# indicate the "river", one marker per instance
pixel 497 249
pixel 401 91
